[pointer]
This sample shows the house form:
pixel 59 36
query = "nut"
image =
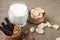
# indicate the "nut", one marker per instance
pixel 24 38
pixel 37 13
pixel 26 32
pixel 42 26
pixel 48 24
pixel 40 15
pixel 39 9
pixel 55 26
pixel 15 32
pixel 40 31
pixel 32 29
pixel 31 37
pixel 58 38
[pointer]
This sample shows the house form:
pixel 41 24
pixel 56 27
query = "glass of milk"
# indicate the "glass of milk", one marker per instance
pixel 18 13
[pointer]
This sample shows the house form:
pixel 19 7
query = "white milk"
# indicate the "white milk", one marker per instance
pixel 18 13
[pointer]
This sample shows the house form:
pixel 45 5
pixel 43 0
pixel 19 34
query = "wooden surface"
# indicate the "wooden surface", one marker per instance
pixel 52 8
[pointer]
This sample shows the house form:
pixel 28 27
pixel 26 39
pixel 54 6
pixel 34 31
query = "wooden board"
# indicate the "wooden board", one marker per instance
pixel 52 8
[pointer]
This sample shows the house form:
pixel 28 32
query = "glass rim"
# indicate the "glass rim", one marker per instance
pixel 14 2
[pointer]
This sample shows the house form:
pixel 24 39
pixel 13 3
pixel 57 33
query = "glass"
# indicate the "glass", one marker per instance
pixel 18 13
